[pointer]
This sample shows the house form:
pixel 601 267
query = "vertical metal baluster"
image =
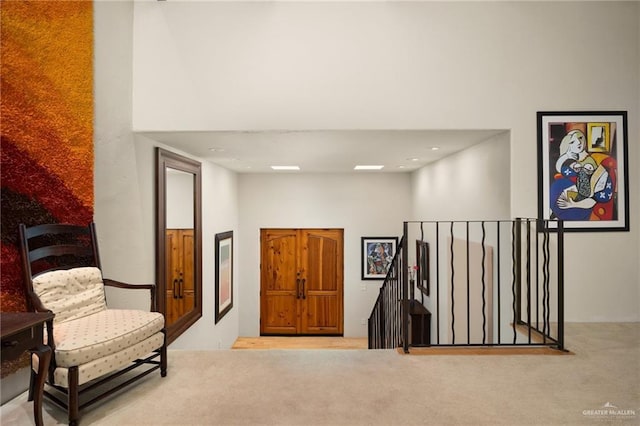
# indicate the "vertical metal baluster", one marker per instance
pixel 393 301
pixel 514 269
pixel 484 301
pixel 453 315
pixel 560 285
pixel 405 280
pixel 537 245
pixel 421 273
pixel 548 284
pixel 387 315
pixel 468 291
pixel 499 274
pixel 528 266
pixel 396 299
pixel 438 281
pixel 545 285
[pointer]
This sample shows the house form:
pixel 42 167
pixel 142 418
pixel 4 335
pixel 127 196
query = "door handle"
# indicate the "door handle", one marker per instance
pixel 175 282
pixel 304 296
pixel 297 288
pixel 181 287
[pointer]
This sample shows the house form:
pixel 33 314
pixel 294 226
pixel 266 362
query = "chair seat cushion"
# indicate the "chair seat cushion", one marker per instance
pixel 98 335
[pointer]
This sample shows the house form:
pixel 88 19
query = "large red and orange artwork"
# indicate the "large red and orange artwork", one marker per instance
pixel 47 124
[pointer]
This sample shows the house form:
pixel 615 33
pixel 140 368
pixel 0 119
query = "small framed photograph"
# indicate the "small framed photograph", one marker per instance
pixel 224 274
pixel 583 175
pixel 422 266
pixel 377 254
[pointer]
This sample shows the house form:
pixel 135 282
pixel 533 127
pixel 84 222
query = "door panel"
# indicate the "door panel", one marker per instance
pixel 322 314
pixel 186 281
pixel 302 281
pixel 321 265
pixel 322 299
pixel 279 290
pixel 172 261
pixel 282 316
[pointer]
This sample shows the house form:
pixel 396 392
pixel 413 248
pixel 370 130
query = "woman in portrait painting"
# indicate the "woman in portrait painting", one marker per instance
pixel 581 181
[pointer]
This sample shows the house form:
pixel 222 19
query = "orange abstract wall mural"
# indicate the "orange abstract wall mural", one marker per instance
pixel 46 124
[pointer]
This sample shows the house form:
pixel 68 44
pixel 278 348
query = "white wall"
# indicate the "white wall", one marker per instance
pixel 473 184
pixel 221 66
pixel 407 65
pixel 366 204
pixel 125 186
pixel 122 206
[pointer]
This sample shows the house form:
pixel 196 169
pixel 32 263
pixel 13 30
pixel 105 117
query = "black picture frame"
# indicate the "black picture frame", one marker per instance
pixel 583 176
pixel 422 266
pixel 376 256
pixel 224 274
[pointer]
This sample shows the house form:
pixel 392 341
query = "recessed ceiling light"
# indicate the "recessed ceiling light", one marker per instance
pixel 413 159
pixel 216 149
pixel 367 167
pixel 285 167
pixel 435 148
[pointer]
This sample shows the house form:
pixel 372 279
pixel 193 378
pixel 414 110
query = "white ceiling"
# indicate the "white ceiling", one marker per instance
pixel 322 151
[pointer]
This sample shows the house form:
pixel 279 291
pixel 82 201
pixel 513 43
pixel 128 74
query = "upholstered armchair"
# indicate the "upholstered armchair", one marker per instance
pixel 91 343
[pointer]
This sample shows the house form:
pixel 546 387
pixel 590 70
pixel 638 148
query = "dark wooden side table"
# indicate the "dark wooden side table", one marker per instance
pixel 23 331
pixel 420 324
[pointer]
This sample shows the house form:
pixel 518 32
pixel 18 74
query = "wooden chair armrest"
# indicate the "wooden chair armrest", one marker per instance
pixel 37 304
pixel 119 284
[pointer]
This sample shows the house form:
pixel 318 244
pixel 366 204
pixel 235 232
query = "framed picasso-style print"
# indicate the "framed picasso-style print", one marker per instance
pixel 224 274
pixel 377 254
pixel 583 170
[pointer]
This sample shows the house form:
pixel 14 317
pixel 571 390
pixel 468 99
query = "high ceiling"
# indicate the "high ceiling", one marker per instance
pixel 323 151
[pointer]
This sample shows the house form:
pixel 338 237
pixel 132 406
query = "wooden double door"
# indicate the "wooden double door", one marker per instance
pixel 301 281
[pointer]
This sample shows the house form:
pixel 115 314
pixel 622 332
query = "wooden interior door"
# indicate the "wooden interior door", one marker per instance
pixel 279 281
pixel 301 281
pixel 180 294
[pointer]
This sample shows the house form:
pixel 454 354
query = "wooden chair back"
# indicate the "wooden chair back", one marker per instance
pixel 52 247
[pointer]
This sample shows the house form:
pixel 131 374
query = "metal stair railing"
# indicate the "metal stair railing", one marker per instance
pixel 385 321
pixel 496 283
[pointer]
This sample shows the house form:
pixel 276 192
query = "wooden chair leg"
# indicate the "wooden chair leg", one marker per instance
pixel 73 397
pixel 163 356
pixel 37 387
pixel 32 383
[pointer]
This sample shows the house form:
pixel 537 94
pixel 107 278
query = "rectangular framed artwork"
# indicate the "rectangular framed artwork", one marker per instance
pixel 422 266
pixel 224 274
pixel 377 254
pixel 583 170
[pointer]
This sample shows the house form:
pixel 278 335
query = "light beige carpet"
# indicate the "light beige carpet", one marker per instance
pixel 361 387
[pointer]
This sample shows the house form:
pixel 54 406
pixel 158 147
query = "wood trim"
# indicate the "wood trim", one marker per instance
pixel 167 159
pixel 300 342
pixel 471 350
